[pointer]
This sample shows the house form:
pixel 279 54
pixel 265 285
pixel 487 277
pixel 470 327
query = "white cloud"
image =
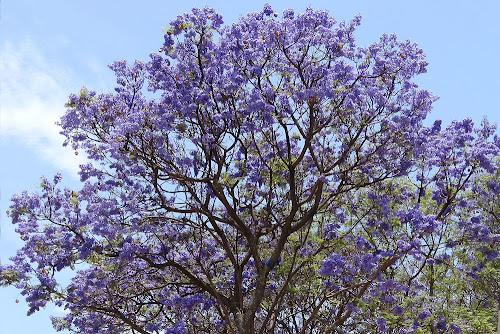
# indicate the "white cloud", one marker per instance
pixel 32 97
pixel 60 310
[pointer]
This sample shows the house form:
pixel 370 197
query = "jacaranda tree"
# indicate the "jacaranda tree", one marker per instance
pixel 269 176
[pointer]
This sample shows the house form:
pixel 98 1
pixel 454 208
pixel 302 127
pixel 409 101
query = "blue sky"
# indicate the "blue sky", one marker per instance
pixel 49 49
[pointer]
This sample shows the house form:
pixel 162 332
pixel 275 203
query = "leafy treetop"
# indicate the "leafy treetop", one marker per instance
pixel 268 176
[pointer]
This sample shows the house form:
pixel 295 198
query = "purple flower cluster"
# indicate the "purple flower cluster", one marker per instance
pixel 332 265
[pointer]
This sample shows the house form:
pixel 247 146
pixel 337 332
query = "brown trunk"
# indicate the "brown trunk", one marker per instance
pixel 245 323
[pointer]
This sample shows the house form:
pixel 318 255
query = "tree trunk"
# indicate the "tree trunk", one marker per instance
pixel 245 322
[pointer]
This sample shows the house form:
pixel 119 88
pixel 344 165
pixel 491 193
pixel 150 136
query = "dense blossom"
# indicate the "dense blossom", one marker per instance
pixel 268 176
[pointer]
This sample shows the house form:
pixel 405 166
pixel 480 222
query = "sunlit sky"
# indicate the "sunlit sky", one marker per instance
pixel 49 49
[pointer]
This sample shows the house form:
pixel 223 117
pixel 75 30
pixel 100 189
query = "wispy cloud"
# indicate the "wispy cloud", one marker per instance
pixel 60 310
pixel 32 97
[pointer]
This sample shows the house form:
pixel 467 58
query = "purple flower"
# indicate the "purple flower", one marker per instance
pixel 332 265
pixel 424 315
pixel 440 325
pixel 381 324
pixel 330 231
pixel 403 245
pixel 368 262
pixel 455 329
pixel 491 254
pixel 178 328
pixel 288 14
pixel 397 310
pixel 388 299
pixel 268 10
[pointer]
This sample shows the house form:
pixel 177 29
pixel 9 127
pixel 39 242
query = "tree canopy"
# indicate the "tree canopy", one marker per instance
pixel 268 176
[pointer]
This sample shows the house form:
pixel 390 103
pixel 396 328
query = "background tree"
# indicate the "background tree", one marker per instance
pixel 273 177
